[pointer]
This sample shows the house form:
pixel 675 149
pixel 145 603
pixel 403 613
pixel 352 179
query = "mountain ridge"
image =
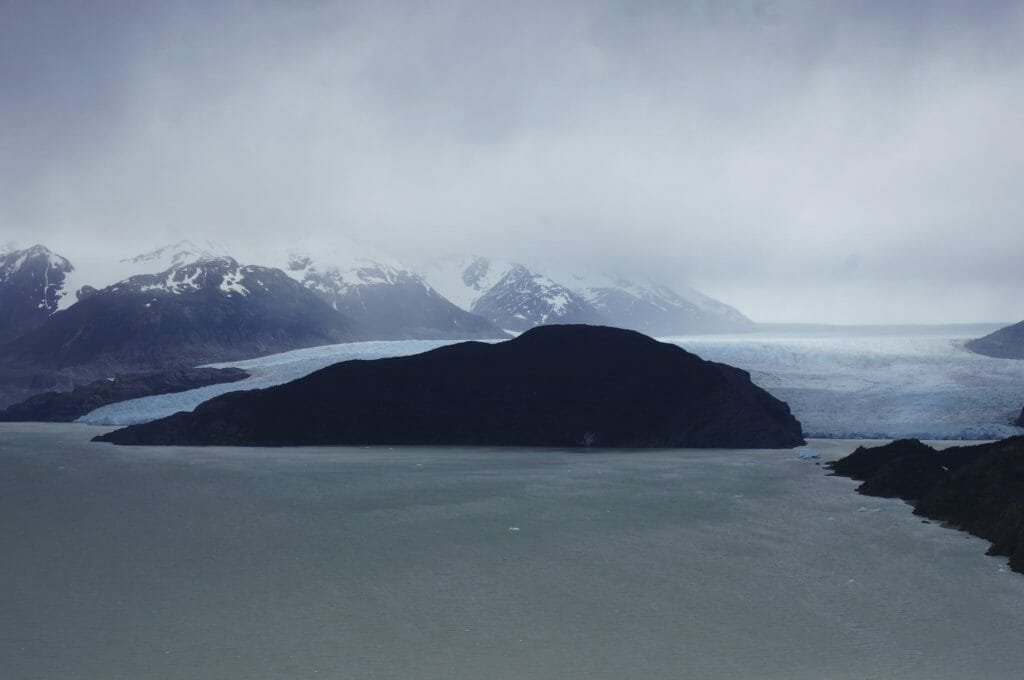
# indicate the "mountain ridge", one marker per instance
pixel 511 293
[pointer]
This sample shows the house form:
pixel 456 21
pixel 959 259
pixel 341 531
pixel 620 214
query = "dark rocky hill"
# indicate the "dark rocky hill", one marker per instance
pixel 551 386
pixel 1005 343
pixel 56 407
pixel 977 488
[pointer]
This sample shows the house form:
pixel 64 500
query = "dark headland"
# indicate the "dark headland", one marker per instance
pixel 57 407
pixel 1005 343
pixel 551 386
pixel 976 488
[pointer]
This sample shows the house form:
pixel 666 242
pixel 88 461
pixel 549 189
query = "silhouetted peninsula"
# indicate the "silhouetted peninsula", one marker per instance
pixel 977 488
pixel 64 407
pixel 1005 343
pixel 551 386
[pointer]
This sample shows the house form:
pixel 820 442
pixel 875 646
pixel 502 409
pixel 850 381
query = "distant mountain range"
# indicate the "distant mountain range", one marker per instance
pixel 66 320
pixel 194 313
pixel 183 305
pixel 385 299
pixel 516 298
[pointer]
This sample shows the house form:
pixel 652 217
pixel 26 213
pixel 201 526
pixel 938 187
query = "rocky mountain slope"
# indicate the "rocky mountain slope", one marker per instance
pixel 508 294
pixel 656 309
pixel 551 386
pixel 31 288
pixel 382 297
pixel 1005 343
pixel 198 312
pixel 516 298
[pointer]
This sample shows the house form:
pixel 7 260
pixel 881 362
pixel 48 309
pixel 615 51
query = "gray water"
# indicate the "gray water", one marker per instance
pixel 405 563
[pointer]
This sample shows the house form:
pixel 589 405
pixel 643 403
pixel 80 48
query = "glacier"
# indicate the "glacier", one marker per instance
pixel 265 371
pixel 879 383
pixel 850 384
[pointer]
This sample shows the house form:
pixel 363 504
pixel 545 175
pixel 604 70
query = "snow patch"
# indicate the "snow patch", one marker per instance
pixel 232 283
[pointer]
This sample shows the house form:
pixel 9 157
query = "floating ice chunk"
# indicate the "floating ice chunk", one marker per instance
pixel 807 454
pixel 863 509
pixel 513 529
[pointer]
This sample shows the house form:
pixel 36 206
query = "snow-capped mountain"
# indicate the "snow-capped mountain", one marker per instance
pixel 516 298
pixel 656 309
pixel 32 283
pixel 523 299
pixel 212 309
pixel 508 294
pixel 383 297
pixel 95 272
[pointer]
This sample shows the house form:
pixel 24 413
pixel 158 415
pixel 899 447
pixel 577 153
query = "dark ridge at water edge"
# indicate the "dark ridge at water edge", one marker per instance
pixel 573 385
pixel 979 489
pixel 1005 343
pixel 64 407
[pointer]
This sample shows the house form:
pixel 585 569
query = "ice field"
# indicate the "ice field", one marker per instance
pixel 878 385
pixel 266 371
pixel 854 383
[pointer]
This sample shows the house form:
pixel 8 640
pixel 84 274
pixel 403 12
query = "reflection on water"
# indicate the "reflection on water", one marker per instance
pixel 472 563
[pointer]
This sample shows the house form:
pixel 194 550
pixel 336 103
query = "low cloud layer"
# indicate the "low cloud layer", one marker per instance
pixel 804 161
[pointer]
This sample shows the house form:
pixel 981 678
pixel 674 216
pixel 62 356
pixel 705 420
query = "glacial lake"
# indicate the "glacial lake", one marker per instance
pixel 442 563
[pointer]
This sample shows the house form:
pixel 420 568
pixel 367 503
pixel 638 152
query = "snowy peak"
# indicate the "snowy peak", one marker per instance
pixel 32 283
pixel 507 293
pixel 36 259
pixel 464 279
pixel 336 274
pixel 96 273
pixel 208 310
pixel 522 299
pixel 170 256
pixel 655 308
pixel 383 296
pixel 217 274
pixel 516 298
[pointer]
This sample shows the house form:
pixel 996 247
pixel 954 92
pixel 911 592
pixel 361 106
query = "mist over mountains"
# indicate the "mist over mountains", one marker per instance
pixel 183 304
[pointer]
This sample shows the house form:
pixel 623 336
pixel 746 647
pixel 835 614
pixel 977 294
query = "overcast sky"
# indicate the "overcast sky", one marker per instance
pixel 847 162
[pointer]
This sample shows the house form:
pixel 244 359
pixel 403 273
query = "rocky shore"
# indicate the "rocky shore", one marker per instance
pixel 979 489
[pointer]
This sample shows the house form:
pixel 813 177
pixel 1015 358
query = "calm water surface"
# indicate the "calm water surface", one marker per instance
pixel 478 563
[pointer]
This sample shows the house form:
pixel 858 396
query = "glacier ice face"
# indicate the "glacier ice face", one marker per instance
pixel 266 371
pixel 920 384
pixel 865 386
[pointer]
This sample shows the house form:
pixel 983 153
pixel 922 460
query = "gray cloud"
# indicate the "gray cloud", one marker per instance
pixel 803 160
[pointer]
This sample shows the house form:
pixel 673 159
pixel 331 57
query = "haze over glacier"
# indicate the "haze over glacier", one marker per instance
pixel 866 384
